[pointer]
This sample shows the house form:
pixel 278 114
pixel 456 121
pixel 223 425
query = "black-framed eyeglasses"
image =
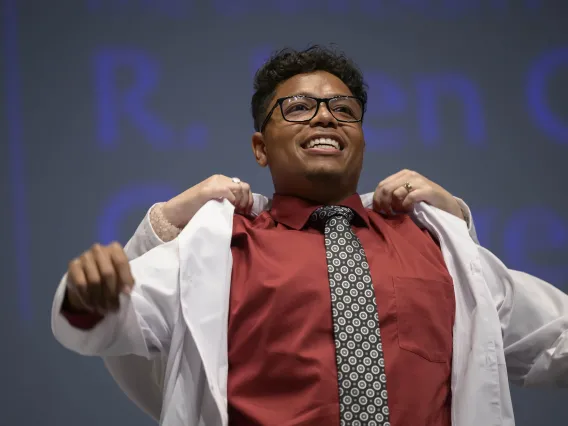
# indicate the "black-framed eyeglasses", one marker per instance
pixel 300 108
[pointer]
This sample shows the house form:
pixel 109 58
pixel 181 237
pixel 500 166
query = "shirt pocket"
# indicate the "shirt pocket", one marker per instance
pixel 424 316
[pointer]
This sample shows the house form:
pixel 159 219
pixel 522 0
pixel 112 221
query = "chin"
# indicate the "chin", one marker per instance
pixel 325 173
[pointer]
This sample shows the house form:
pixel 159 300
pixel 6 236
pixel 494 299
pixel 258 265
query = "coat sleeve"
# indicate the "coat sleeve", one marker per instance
pixel 141 379
pixel 534 324
pixel 468 219
pixel 143 324
pixel 135 360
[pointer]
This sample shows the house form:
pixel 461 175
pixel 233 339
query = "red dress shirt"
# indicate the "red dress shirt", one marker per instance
pixel 282 368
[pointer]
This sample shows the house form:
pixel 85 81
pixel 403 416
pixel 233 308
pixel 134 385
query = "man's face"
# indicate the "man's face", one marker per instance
pixel 285 146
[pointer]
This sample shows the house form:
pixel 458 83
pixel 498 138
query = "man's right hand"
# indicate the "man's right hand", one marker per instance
pixel 96 278
pixel 180 209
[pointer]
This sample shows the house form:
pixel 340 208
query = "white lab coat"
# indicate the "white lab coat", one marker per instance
pixel 167 345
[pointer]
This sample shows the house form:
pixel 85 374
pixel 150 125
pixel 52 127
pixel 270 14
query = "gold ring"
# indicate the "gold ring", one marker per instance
pixel 408 187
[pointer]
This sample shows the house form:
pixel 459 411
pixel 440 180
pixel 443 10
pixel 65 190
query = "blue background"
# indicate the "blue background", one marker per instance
pixel 108 106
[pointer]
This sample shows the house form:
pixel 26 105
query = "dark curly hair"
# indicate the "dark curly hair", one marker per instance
pixel 287 63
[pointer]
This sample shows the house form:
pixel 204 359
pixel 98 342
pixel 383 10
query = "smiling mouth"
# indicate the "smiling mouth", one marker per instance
pixel 323 143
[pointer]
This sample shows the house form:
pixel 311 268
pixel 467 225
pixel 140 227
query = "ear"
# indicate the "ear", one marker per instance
pixel 259 149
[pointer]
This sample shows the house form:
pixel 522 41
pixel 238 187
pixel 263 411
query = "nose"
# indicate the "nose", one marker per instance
pixel 323 117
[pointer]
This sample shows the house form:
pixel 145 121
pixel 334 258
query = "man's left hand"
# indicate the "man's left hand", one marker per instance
pixel 399 192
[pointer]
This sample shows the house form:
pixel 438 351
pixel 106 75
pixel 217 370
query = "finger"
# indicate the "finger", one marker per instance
pixel 94 295
pixel 244 196
pixel 393 177
pixel 400 193
pixel 385 190
pixel 398 197
pixel 76 275
pixel 414 197
pixel 384 197
pixel 122 268
pixel 78 282
pixel 380 207
pixel 228 194
pixel 108 276
pixel 236 189
pixel 238 197
pixel 380 204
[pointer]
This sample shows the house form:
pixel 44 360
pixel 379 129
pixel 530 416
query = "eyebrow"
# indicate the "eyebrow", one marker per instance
pixel 311 95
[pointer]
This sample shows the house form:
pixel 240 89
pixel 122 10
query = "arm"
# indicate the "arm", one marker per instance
pixel 139 377
pixel 154 230
pixel 164 222
pixel 143 322
pixel 534 323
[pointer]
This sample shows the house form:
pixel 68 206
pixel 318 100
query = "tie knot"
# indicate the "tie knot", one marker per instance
pixel 323 214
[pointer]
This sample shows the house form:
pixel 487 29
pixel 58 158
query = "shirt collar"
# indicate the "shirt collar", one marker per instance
pixel 294 212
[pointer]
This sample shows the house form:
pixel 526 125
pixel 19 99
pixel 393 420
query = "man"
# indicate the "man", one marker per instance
pixel 318 309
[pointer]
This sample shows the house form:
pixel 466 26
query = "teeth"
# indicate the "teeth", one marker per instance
pixel 323 143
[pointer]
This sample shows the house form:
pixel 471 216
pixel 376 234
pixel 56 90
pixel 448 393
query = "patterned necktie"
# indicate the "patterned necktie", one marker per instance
pixel 358 349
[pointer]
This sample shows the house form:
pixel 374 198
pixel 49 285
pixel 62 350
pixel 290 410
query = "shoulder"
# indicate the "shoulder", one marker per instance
pixel 404 226
pixel 242 223
pixel 402 231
